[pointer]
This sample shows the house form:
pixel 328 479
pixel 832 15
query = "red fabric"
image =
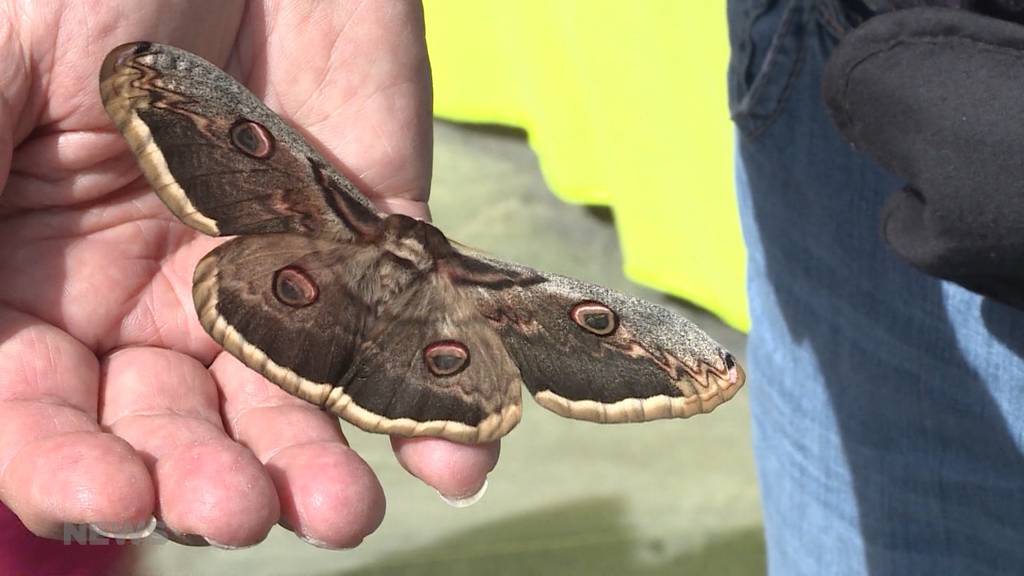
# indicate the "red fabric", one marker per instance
pixel 22 553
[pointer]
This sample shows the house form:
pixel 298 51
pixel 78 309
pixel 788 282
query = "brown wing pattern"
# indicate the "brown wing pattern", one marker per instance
pixel 431 362
pixel 382 345
pixel 381 320
pixel 223 162
pixel 590 353
pixel 288 306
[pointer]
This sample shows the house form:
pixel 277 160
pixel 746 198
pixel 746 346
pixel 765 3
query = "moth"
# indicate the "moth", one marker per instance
pixel 379 318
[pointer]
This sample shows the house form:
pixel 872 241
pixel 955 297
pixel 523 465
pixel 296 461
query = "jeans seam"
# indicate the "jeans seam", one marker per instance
pixel 789 20
pixel 784 28
pixel 750 14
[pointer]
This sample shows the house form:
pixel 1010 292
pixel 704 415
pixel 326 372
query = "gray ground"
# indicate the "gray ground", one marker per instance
pixel 670 497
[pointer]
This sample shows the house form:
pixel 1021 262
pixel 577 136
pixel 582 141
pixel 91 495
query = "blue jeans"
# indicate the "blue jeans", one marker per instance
pixel 888 406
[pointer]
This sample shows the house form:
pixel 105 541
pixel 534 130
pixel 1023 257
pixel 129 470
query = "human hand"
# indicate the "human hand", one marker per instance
pixel 932 94
pixel 114 403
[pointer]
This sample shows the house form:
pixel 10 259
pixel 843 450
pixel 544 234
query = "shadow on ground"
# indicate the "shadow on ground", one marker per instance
pixel 582 537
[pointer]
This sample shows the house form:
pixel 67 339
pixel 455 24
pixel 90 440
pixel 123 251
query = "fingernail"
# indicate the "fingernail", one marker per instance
pixel 315 542
pixel 125 531
pixel 465 501
pixel 216 544
pixel 179 537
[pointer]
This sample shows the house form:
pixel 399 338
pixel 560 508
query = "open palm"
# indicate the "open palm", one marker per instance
pixel 115 406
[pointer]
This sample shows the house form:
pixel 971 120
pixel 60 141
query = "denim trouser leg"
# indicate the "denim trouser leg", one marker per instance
pixel 888 406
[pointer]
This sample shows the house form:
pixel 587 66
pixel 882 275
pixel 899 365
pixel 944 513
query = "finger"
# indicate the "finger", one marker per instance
pixel 56 466
pixel 167 406
pixel 367 99
pixel 457 471
pixel 329 496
